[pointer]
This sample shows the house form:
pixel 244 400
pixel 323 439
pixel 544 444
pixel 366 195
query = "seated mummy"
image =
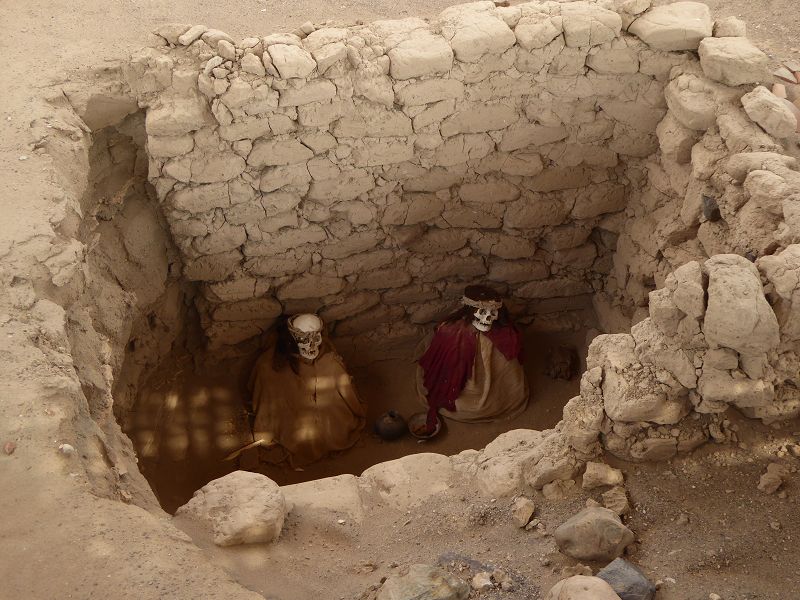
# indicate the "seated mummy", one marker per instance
pixel 472 370
pixel 304 401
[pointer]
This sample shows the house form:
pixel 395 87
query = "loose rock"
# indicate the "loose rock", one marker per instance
pixel 600 474
pixel 424 582
pixel 773 479
pixel 582 587
pixel 766 109
pixel 482 582
pixel 616 499
pixel 522 511
pixel 627 580
pixel 595 533
pixel 66 449
pixel 730 27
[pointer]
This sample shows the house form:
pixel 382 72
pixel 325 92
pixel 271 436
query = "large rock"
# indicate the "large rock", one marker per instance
pixel 738 315
pixel 770 112
pixel 581 587
pixel 733 61
pixel 595 533
pixel 587 24
pixel 407 481
pixel 318 499
pixel 783 272
pixel 537 30
pixel 430 90
pixel 241 508
pixel 630 393
pixel 719 388
pixel 311 286
pixel 627 580
pixel 691 102
pixel 291 61
pixel 739 166
pixel 599 475
pixel 473 33
pixel 424 582
pixel 500 464
pixel 675 140
pixel 278 152
pixel 178 116
pixel 422 54
pixel 677 26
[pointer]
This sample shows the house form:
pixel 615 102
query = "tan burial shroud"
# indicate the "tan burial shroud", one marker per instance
pixel 310 413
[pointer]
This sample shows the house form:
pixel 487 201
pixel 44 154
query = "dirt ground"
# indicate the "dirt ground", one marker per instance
pixel 737 543
pixel 733 541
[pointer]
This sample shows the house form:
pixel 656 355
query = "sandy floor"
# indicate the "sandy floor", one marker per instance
pixel 187 421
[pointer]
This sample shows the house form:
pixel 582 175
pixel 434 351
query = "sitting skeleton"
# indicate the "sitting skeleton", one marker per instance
pixel 304 401
pixel 472 370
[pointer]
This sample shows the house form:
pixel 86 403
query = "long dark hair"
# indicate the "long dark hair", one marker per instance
pixel 481 293
pixel 286 349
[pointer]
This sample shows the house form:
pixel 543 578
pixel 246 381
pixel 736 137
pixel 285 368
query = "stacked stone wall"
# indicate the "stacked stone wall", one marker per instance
pixel 370 172
pixel 724 178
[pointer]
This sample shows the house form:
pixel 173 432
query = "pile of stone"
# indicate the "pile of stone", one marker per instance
pixel 370 172
pixel 710 342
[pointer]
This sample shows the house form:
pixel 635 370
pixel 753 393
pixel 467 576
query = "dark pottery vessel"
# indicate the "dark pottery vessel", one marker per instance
pixel 390 426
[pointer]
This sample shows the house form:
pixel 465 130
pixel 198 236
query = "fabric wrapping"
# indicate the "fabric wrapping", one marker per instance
pixel 310 413
pixel 459 355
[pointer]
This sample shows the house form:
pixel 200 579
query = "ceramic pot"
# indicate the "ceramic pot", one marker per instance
pixel 390 426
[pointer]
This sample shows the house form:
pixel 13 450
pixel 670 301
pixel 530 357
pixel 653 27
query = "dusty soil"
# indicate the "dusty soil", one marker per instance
pixel 738 542
pixel 187 420
pixel 773 25
pixel 728 547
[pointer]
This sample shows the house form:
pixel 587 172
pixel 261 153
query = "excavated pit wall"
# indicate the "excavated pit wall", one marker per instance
pixel 556 135
pixel 370 172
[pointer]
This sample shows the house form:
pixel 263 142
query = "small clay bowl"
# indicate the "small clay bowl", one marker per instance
pixel 417 422
pixel 390 426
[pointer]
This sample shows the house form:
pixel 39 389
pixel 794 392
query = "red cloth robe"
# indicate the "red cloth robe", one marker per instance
pixel 447 363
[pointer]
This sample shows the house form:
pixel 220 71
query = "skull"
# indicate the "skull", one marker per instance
pixel 485 318
pixel 306 330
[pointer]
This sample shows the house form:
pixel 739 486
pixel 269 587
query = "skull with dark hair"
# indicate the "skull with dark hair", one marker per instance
pixel 306 329
pixel 486 304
